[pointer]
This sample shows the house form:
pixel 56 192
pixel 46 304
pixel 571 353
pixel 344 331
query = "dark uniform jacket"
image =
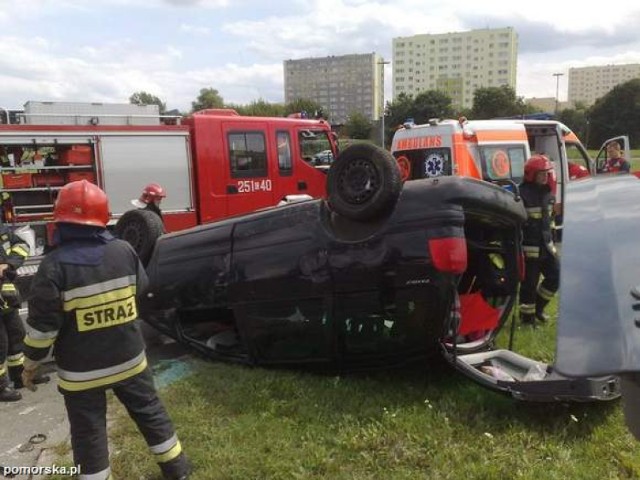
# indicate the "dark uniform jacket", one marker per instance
pixel 83 301
pixel 14 249
pixel 14 252
pixel 536 232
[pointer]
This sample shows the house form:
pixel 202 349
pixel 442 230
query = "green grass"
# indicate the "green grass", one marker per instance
pixel 424 422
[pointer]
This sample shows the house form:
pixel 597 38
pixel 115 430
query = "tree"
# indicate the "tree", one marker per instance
pixel 576 119
pixel 617 113
pixel 431 104
pixel 358 126
pixel 312 108
pixel 494 102
pixel 208 98
pixel 145 98
pixel 426 105
pixel 397 112
pixel 260 108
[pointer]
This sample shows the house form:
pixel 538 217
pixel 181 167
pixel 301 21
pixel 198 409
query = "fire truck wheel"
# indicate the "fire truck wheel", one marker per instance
pixel 363 183
pixel 141 228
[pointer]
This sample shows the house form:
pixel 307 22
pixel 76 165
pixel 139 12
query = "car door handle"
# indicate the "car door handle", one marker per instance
pixel 232 189
pixel 302 185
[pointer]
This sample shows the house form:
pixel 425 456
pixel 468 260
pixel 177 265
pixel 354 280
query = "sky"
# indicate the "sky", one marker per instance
pixel 105 50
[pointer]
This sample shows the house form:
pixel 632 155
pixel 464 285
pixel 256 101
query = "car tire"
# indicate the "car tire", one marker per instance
pixel 141 228
pixel 363 182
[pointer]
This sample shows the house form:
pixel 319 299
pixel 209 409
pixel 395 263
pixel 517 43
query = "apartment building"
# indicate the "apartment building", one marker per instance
pixel 341 84
pixel 587 84
pixel 455 63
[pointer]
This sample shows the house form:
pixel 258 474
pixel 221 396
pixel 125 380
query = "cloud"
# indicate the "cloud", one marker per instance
pixel 194 3
pixel 537 36
pixel 112 72
pixel 12 10
pixel 90 75
pixel 238 84
pixel 195 30
pixel 336 27
pixel 247 46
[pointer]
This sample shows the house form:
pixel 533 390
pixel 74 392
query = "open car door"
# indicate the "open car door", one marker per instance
pixel 483 304
pixel 601 158
pixel 523 378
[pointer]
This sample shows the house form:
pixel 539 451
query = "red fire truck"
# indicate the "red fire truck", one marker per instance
pixel 212 165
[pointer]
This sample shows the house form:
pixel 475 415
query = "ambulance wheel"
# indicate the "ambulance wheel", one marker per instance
pixel 141 228
pixel 363 183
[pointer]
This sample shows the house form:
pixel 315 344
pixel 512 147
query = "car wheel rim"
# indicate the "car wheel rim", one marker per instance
pixel 359 182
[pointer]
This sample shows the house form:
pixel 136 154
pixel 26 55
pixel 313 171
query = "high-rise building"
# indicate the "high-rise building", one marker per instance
pixel 341 84
pixel 455 63
pixel 587 84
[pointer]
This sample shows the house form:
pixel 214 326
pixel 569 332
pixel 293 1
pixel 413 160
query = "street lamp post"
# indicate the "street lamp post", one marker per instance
pixel 557 75
pixel 382 63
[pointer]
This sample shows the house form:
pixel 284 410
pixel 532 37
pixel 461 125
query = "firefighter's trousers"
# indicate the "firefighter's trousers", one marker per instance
pixel 534 295
pixel 11 347
pixel 87 412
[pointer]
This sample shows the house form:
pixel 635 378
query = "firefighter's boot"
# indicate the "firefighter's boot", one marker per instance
pixel 8 394
pixel 15 374
pixel 528 319
pixel 527 314
pixel 541 303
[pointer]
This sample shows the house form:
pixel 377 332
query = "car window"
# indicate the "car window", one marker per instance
pixel 371 325
pixel 315 147
pixel 283 142
pixel 578 161
pixel 247 154
pixel 286 330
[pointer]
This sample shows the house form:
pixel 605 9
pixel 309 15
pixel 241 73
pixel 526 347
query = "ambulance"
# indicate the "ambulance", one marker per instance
pixel 495 151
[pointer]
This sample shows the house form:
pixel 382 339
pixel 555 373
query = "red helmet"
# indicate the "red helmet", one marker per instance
pixel 83 203
pixel 537 163
pixel 151 192
pixel 577 171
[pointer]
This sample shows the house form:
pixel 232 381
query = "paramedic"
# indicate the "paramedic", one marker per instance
pixel 83 302
pixel 539 249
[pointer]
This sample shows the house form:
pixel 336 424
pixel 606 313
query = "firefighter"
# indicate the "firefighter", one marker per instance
pixel 14 252
pixel 150 198
pixel 539 249
pixel 83 302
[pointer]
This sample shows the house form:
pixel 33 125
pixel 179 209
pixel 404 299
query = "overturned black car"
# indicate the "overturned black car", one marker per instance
pixel 377 275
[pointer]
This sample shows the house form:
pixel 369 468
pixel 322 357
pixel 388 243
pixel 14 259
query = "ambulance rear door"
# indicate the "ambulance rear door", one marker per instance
pixel 425 151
